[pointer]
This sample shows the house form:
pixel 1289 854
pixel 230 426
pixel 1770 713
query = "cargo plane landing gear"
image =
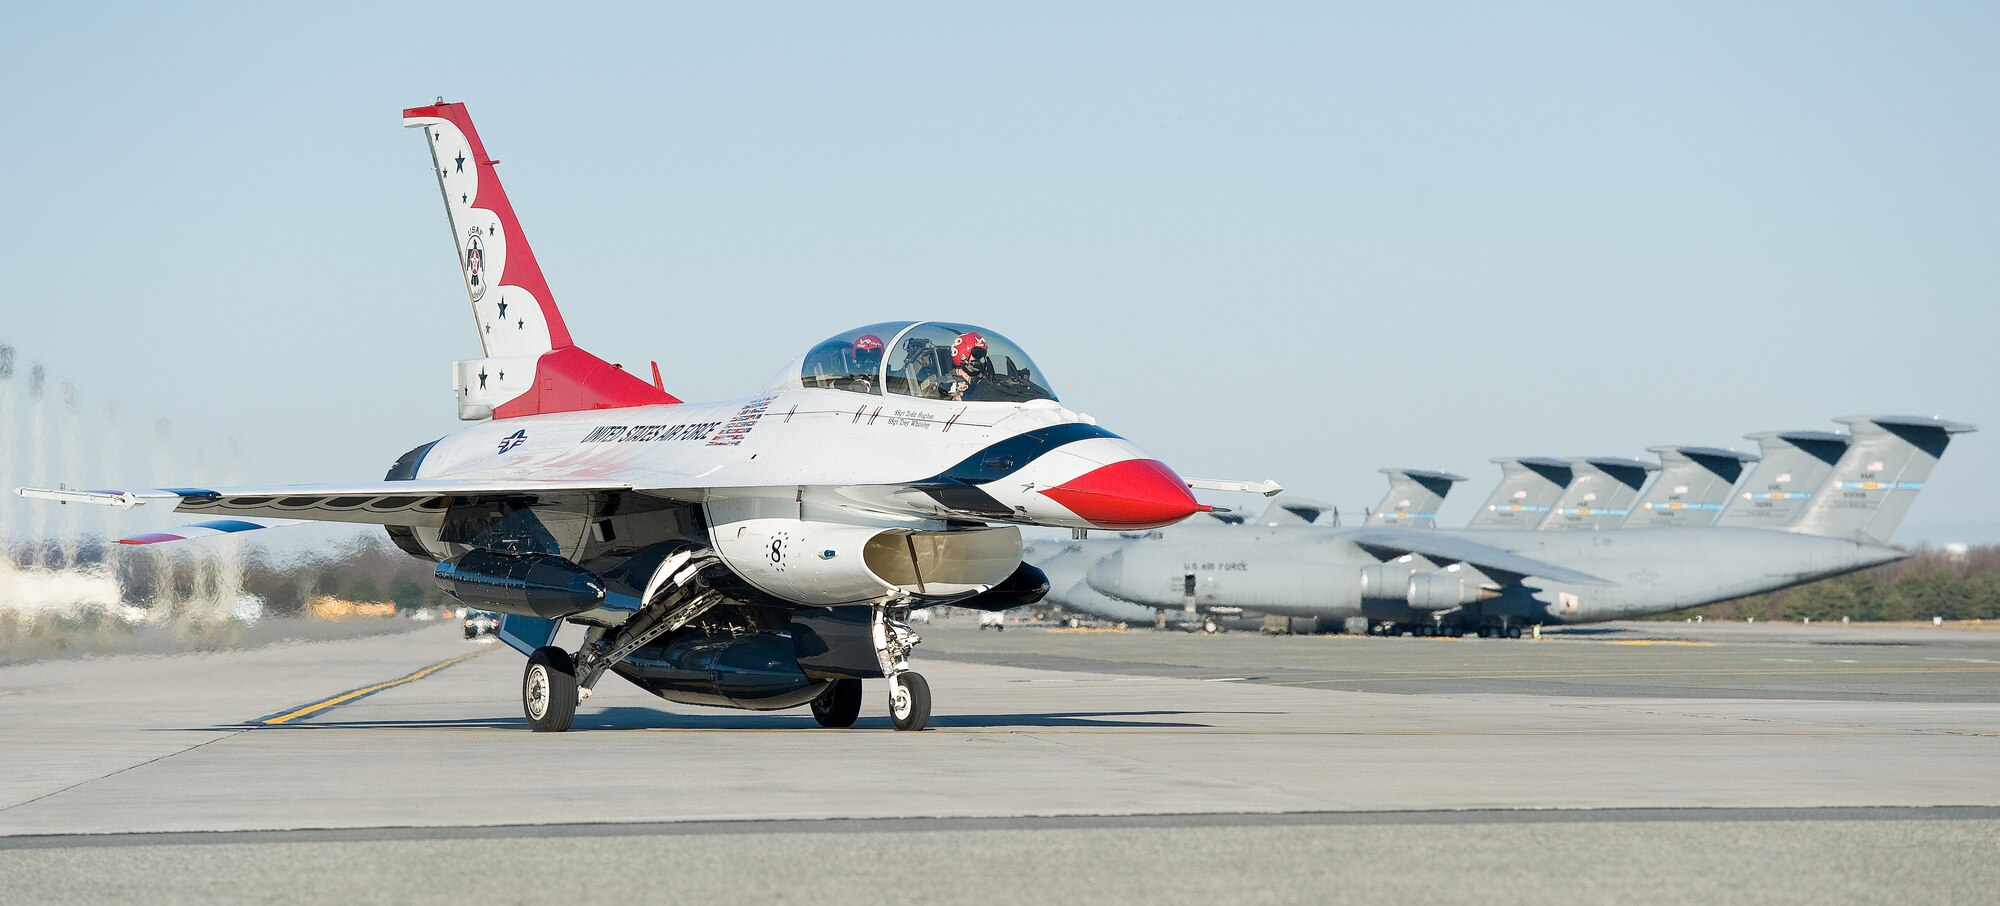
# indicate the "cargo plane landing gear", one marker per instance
pixel 909 694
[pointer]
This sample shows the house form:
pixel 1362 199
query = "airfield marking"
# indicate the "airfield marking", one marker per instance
pixel 1403 677
pixel 345 697
pixel 1685 644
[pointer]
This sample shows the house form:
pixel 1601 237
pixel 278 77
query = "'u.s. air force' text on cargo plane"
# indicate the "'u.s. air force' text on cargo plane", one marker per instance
pixel 759 553
pixel 1818 505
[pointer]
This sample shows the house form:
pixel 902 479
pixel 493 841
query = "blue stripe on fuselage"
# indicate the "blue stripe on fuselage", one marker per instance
pixel 1006 457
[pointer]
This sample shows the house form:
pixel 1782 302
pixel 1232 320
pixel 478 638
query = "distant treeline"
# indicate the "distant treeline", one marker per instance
pixel 365 569
pixel 1933 582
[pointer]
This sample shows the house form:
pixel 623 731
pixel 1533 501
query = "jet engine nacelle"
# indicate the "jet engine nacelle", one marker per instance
pixel 1444 591
pixel 1422 590
pixel 828 563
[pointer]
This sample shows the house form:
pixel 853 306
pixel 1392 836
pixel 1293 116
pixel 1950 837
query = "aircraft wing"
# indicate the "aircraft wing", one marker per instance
pixel 369 502
pixel 1501 564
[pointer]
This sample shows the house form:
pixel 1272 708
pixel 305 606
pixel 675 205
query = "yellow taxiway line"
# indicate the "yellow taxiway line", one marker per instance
pixel 345 697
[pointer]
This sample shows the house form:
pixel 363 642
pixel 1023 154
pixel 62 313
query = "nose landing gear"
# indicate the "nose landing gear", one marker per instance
pixel 909 694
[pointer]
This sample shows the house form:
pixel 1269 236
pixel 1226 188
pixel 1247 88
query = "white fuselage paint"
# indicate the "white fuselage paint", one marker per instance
pixel 837 446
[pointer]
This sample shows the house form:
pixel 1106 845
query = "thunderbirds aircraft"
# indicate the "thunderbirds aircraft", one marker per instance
pixel 759 553
pixel 1818 505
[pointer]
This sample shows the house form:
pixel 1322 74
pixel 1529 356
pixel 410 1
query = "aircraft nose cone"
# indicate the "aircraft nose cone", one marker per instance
pixel 1129 494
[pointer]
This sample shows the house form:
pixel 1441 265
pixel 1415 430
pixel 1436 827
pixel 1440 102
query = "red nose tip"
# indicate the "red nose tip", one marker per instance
pixel 1132 494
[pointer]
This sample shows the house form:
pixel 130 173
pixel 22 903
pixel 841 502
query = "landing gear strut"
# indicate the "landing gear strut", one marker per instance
pixel 555 681
pixel 909 694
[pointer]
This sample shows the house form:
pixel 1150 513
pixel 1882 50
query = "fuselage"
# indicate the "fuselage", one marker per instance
pixel 1026 463
pixel 1319 572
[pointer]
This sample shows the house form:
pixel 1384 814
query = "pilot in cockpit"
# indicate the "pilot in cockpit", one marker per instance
pixel 866 358
pixel 970 366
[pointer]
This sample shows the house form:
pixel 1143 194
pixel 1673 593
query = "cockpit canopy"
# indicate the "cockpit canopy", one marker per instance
pixel 925 359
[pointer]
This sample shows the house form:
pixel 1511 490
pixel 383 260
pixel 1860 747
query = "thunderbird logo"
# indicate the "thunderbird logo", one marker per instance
pixel 475 264
pixel 513 440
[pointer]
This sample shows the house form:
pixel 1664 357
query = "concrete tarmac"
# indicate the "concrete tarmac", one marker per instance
pixel 1706 763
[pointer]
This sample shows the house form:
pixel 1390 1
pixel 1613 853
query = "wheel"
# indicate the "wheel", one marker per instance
pixel 838 706
pixel 548 690
pixel 1513 632
pixel 910 702
pixel 1485 633
pixel 1209 627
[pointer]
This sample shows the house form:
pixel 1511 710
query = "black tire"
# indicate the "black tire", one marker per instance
pixel 548 690
pixel 839 705
pixel 1513 632
pixel 913 710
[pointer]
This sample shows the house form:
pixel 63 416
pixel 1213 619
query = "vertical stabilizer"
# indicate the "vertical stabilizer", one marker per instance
pixel 528 364
pixel 1692 488
pixel 1872 487
pixel 1794 465
pixel 1600 495
pixel 1529 487
pixel 1413 498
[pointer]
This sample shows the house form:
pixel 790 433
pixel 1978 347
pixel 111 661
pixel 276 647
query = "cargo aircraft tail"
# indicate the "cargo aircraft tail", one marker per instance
pixel 1794 465
pixel 1529 487
pixel 1871 488
pixel 1413 498
pixel 1599 496
pixel 1692 487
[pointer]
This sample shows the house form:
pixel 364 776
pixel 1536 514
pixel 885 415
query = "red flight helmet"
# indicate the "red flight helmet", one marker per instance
pixel 961 348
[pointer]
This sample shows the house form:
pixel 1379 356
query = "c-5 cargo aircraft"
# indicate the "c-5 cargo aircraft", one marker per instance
pixel 1818 505
pixel 760 553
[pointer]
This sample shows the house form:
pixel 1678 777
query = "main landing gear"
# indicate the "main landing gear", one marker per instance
pixel 555 681
pixel 839 706
pixel 549 690
pixel 909 694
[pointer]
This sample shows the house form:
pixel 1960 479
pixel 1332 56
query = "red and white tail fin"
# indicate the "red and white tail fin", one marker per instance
pixel 529 364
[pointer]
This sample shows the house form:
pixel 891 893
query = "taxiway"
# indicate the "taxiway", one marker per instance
pixel 1829 762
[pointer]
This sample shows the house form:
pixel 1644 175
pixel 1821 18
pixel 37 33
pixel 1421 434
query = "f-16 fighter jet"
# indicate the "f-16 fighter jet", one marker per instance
pixel 758 553
pixel 1826 504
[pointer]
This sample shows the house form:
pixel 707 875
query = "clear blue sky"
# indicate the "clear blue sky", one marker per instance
pixel 1262 240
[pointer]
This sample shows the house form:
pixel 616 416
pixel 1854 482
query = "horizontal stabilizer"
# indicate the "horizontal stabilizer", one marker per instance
pixel 231 526
pixel 1443 549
